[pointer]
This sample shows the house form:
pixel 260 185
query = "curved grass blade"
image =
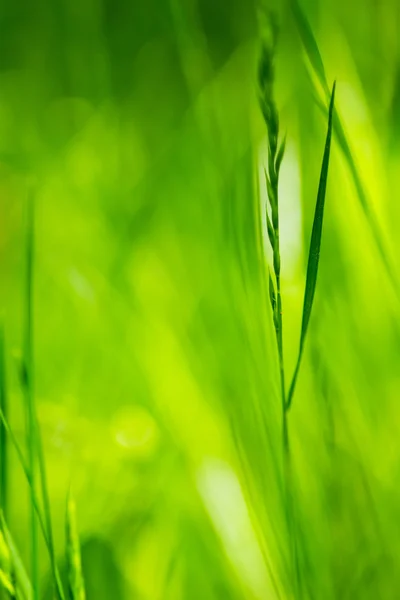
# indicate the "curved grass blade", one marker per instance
pixel 73 554
pixel 3 437
pixel 310 44
pixel 314 56
pixel 41 520
pixel 23 583
pixel 315 247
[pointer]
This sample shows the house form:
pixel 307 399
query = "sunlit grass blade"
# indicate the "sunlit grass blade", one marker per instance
pixel 41 519
pixel 7 586
pixel 21 577
pixel 6 574
pixel 373 224
pixel 3 437
pixel 315 247
pixel 314 56
pixel 73 554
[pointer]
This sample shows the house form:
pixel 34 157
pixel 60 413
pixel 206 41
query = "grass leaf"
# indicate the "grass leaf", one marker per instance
pixel 17 565
pixel 7 585
pixel 73 553
pixel 3 437
pixel 314 56
pixel 315 246
pixel 35 450
pixel 6 571
pixel 29 395
pixel 310 43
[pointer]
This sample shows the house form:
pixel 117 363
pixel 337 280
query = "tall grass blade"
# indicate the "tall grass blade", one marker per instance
pixel 73 553
pixel 35 450
pixel 29 396
pixel 310 44
pixel 314 56
pixel 25 469
pixel 47 516
pixel 22 579
pixel 3 436
pixel 315 247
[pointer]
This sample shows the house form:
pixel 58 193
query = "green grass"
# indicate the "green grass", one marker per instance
pixel 226 419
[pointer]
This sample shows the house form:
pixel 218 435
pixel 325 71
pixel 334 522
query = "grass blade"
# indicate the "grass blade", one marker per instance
pixel 25 469
pixel 3 437
pixel 7 586
pixel 35 450
pixel 29 396
pixel 73 554
pixel 314 56
pixel 47 516
pixel 315 246
pixel 6 574
pixel 310 44
pixel 17 565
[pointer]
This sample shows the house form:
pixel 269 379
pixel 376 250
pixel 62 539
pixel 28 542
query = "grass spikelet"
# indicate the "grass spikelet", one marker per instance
pixel 76 583
pixel 315 247
pixel 275 156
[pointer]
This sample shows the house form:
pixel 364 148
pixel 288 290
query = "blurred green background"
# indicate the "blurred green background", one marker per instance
pixel 136 122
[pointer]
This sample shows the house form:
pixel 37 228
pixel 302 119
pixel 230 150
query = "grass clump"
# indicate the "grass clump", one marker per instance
pixel 13 577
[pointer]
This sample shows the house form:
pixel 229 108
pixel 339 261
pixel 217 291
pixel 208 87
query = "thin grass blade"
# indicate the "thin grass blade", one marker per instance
pixel 29 395
pixel 35 451
pixel 315 246
pixel 47 516
pixel 73 553
pixel 314 56
pixel 22 579
pixel 3 436
pixel 310 44
pixel 6 572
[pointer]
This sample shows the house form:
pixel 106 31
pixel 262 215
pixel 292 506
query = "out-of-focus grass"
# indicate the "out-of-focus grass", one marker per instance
pixel 156 374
